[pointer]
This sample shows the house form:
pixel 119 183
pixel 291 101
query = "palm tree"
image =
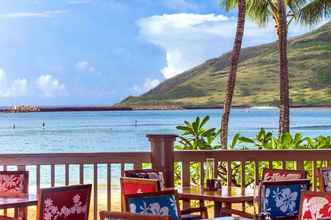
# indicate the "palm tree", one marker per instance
pixel 315 11
pixel 228 5
pixel 283 13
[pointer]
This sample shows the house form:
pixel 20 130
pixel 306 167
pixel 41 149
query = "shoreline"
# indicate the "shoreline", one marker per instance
pixel 144 108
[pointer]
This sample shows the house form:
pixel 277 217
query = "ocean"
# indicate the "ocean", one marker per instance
pixel 126 130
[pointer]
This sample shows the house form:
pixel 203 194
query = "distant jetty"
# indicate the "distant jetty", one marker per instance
pixel 33 108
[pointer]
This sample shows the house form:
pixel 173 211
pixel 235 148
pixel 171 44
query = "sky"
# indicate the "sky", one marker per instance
pixel 98 52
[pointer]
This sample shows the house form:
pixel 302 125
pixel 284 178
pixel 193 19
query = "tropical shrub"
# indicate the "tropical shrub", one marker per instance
pixel 195 136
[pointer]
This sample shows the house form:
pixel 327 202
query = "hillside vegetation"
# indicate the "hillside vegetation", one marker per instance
pixel 257 80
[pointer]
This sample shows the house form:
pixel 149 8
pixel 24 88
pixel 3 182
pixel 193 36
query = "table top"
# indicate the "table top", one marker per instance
pixel 16 202
pixel 234 196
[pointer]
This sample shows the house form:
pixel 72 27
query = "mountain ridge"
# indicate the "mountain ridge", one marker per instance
pixel 204 85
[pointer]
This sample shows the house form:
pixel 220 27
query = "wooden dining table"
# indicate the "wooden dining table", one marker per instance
pixel 222 199
pixel 19 204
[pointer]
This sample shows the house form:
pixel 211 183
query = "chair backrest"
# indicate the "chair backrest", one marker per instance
pixel 282 175
pixel 162 203
pixel 315 205
pixel 146 174
pixel 68 202
pixel 14 183
pixel 325 179
pixel 137 185
pixel 104 215
pixel 281 199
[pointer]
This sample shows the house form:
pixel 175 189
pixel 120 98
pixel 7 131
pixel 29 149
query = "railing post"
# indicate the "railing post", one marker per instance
pixel 162 155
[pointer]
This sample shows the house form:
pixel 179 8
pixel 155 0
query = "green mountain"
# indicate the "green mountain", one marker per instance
pixel 257 80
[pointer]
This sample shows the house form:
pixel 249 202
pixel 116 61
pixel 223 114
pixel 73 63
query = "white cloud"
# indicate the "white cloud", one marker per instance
pixel 180 4
pixel 85 66
pixel 49 86
pixel 148 85
pixel 190 39
pixel 9 89
pixel 42 14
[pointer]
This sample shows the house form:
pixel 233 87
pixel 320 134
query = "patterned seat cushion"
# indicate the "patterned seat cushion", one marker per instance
pixel 63 203
pixel 315 205
pixel 14 183
pixel 147 174
pixel 282 199
pixel 161 203
pixel 282 175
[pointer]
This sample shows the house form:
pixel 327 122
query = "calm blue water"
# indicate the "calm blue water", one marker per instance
pixel 116 131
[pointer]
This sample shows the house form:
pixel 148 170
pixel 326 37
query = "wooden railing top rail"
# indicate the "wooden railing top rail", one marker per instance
pixel 254 155
pixel 74 158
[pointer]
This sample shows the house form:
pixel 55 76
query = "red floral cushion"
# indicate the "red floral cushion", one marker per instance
pixel 13 183
pixel 315 206
pixel 64 204
pixel 136 187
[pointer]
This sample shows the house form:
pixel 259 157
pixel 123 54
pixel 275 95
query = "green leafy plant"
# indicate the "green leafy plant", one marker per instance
pixel 194 135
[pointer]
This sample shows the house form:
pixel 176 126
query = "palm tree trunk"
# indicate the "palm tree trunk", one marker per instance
pixel 233 71
pixel 284 114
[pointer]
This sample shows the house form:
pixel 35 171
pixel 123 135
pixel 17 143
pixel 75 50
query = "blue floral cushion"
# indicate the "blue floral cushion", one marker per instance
pixel 154 205
pixel 280 201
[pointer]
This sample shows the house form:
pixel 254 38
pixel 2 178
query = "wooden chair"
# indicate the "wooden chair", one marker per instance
pixel 137 185
pixel 158 175
pixel 325 179
pixel 63 203
pixel 104 215
pixel 282 174
pixel 13 184
pixel 315 205
pixel 281 199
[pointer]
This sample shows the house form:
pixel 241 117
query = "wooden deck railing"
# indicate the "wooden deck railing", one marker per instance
pixel 233 167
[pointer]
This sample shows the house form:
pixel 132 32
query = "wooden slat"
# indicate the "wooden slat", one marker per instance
pixel 66 173
pixel 243 182
pixel 122 169
pixel 21 167
pixel 216 169
pixel 270 164
pixel 109 186
pixel 186 180
pixel 314 169
pixel 202 173
pixel 229 175
pixel 4 167
pixel 256 172
pixel 52 175
pixel 95 191
pixel 38 177
pixel 186 174
pixel 137 165
pixel 283 164
pixel 242 177
pixel 81 173
pixel 299 164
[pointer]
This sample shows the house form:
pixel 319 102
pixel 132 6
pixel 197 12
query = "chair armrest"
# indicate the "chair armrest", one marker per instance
pixel 202 210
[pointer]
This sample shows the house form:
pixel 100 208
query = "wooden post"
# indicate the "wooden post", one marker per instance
pixel 162 155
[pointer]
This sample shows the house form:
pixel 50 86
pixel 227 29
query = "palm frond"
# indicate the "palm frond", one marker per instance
pixel 315 11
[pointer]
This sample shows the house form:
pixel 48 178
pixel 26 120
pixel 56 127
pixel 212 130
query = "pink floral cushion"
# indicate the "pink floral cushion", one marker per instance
pixel 315 206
